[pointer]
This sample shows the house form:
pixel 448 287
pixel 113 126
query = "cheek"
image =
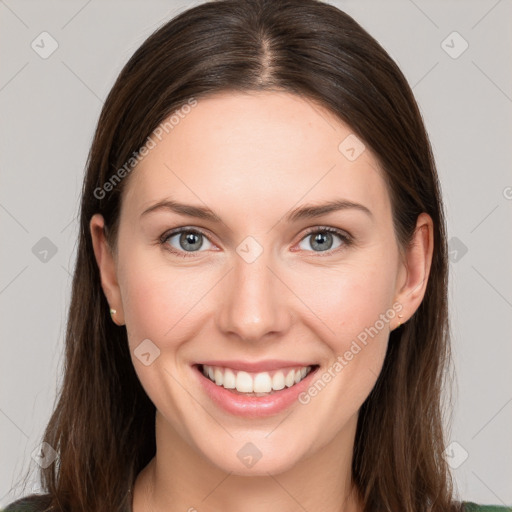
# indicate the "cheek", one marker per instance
pixel 159 302
pixel 347 299
pixel 353 309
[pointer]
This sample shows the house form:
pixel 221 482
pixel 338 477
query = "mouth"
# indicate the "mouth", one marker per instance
pixel 255 384
pixel 251 394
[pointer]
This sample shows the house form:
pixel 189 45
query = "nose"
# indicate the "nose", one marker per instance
pixel 253 301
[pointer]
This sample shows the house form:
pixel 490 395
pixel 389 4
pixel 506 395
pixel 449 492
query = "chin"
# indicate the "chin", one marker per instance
pixel 254 458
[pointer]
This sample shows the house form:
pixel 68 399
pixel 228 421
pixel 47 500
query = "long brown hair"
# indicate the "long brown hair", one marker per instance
pixel 103 421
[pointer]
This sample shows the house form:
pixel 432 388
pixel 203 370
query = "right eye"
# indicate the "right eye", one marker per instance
pixel 186 240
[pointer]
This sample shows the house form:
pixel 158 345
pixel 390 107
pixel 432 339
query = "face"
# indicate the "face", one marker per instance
pixel 261 282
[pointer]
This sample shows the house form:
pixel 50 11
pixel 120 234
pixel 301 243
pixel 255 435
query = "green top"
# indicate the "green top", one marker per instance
pixel 39 503
pixel 469 506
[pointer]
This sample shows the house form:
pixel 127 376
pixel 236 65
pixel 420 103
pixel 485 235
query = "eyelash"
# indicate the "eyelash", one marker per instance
pixel 345 238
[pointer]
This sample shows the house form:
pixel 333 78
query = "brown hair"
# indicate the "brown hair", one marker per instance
pixel 103 416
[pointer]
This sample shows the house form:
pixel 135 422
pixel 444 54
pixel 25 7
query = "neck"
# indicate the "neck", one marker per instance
pixel 179 478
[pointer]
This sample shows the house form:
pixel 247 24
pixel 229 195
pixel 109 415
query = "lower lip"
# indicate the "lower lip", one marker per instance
pixel 254 406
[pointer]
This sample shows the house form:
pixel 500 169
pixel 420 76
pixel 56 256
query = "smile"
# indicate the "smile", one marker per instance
pixel 255 384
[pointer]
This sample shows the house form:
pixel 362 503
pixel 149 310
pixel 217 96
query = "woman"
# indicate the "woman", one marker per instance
pixel 259 305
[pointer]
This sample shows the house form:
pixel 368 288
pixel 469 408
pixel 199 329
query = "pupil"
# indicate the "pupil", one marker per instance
pixel 321 238
pixel 190 239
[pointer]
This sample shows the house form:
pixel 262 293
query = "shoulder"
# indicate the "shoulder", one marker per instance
pixel 469 506
pixel 32 503
pixel 41 503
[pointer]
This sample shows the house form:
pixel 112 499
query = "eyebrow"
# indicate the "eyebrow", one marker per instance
pixel 307 211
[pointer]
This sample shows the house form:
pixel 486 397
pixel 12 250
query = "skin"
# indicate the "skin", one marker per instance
pixel 251 158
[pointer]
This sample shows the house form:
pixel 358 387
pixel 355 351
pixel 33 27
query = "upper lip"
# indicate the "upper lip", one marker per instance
pixel 260 366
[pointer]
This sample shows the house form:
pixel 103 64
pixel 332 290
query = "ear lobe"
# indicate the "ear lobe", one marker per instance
pixel 418 261
pixel 107 267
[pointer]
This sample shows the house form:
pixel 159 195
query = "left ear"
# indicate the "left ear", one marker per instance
pixel 413 276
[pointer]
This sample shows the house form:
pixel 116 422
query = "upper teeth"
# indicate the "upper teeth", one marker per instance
pixel 262 382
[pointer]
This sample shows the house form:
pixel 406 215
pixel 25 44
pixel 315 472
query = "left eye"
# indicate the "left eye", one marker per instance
pixel 323 239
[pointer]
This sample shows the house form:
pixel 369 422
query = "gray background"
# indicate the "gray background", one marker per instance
pixel 49 108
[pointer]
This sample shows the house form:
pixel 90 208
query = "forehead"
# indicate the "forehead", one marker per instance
pixel 256 150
